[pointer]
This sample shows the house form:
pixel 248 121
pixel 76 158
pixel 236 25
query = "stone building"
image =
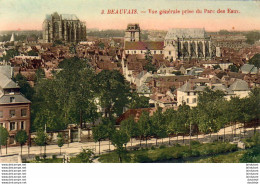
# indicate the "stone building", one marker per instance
pixel 64 27
pixel 133 33
pixel 187 43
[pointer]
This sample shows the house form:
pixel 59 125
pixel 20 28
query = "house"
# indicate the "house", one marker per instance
pixel 188 93
pixel 14 108
pixel 240 88
pixel 143 47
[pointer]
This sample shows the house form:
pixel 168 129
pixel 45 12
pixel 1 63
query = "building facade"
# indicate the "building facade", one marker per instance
pixel 187 43
pixel 14 109
pixel 63 27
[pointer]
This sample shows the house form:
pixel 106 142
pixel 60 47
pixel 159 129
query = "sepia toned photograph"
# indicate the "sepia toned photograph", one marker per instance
pixel 129 81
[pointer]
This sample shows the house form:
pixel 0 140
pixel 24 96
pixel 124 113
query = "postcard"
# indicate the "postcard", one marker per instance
pixel 159 81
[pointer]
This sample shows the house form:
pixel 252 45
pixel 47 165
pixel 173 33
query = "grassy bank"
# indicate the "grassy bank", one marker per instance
pixel 174 153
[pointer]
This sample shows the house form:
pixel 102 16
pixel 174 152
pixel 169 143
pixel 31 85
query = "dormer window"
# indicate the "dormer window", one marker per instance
pixel 11 92
pixel 12 99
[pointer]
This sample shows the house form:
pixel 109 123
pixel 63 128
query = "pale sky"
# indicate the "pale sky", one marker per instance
pixel 29 14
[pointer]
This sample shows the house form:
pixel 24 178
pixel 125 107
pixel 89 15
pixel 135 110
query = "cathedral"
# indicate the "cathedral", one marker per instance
pixel 63 27
pixel 187 44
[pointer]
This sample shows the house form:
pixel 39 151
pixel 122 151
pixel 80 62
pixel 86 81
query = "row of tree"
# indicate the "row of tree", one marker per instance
pixel 212 113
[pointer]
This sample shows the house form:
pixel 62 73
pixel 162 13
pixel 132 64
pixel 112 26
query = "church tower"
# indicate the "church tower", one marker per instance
pixel 132 33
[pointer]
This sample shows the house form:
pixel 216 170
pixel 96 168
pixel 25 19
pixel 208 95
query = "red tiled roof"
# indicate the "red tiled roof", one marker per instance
pixel 144 45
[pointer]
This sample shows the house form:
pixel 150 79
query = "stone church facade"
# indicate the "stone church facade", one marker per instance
pixel 64 27
pixel 188 44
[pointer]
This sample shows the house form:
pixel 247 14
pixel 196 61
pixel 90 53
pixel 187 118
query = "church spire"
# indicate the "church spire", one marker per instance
pixel 12 38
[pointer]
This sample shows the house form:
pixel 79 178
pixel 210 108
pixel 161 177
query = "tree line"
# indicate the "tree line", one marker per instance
pixel 212 113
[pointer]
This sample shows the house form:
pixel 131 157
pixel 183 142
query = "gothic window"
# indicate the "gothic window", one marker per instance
pixel 56 30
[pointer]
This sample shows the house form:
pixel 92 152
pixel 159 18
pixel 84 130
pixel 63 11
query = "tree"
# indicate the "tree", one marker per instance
pixel 25 87
pixel 255 60
pixel 21 137
pixel 138 101
pixel 99 134
pixel 159 125
pixel 39 74
pixel 169 115
pixel 216 67
pixel 144 126
pixel 3 138
pixel 86 156
pixel 113 92
pixel 233 68
pixel 252 37
pixel 10 54
pixel 208 110
pixel 32 53
pixel 101 45
pixel 60 141
pixel 149 66
pixel 130 127
pixel 68 98
pixel 41 139
pixel 119 139
pixel 181 119
pixel 109 127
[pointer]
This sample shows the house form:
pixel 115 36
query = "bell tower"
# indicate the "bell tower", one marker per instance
pixel 132 33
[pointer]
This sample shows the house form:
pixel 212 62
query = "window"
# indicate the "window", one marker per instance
pixel 188 93
pixel 128 51
pixel 194 93
pixel 194 100
pixel 11 92
pixel 141 51
pixel 12 113
pixel 135 52
pixel 161 52
pixel 1 124
pixel 12 99
pixel 12 125
pixel 188 101
pixel 22 125
pixel 154 52
pixel 1 114
pixel 23 112
pixel 170 52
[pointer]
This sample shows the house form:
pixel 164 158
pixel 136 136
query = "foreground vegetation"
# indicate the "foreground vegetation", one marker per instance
pixel 218 152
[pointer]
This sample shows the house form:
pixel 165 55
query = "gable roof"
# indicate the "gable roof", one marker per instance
pixel 144 45
pixel 5 99
pixel 239 85
pixel 247 68
pixel 7 83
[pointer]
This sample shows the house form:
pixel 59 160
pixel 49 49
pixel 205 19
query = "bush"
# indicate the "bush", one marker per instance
pixel 54 156
pixel 85 156
pixel 37 158
pixel 177 155
pixel 165 155
pixel 44 156
pixel 195 153
pixel 162 146
pixel 152 148
pixel 142 158
pixel 177 145
pixel 194 143
pixel 251 156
